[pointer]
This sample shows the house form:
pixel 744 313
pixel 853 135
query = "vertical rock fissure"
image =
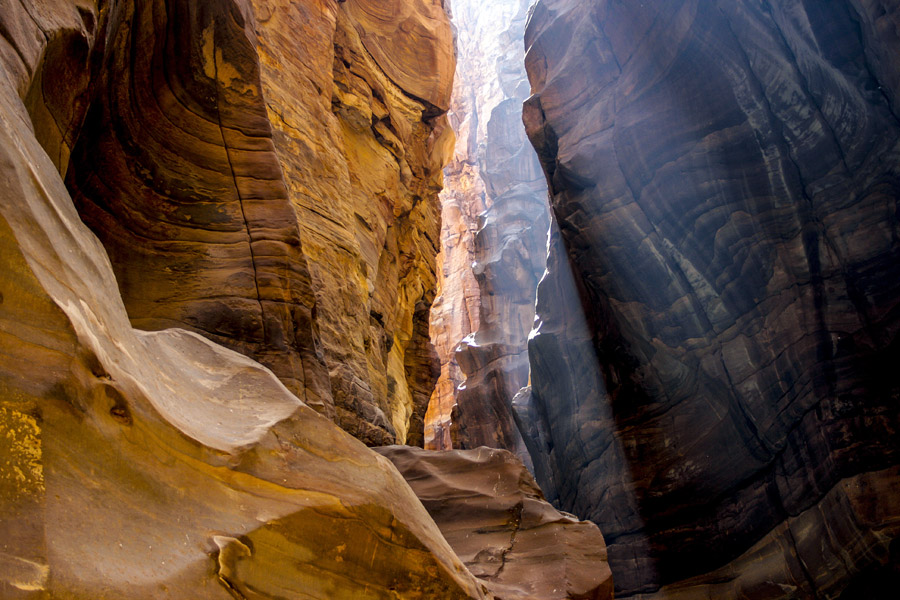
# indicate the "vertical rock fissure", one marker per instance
pixel 237 189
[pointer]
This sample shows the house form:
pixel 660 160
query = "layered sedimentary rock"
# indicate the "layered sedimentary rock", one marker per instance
pixel 725 177
pixel 159 464
pixel 364 181
pixel 494 236
pixel 265 173
pixel 497 520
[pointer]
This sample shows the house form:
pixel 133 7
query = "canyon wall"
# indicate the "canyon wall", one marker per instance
pixel 266 174
pixel 199 139
pixel 712 384
pixel 495 220
pixel 137 464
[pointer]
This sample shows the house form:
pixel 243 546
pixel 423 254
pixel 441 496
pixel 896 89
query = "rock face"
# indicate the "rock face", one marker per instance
pixel 159 464
pixel 495 517
pixel 265 173
pixel 495 233
pixel 725 178
pixel 456 311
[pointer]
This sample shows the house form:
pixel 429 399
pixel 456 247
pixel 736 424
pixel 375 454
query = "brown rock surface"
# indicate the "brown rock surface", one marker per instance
pixel 494 236
pixel 140 464
pixel 362 150
pixel 411 42
pixel 725 176
pixel 159 464
pixel 220 135
pixel 496 519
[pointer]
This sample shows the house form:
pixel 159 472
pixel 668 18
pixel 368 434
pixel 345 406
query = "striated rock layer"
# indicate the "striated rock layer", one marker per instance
pixel 159 464
pixel 496 518
pixel 726 179
pixel 265 173
pixel 494 236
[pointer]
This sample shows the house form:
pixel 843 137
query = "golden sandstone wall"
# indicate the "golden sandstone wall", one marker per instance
pixel 141 464
pixel 266 174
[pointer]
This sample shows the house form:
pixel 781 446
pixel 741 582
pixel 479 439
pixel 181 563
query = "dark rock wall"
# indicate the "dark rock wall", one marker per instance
pixel 725 177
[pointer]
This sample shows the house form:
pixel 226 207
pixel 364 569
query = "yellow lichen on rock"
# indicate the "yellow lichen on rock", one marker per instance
pixel 21 467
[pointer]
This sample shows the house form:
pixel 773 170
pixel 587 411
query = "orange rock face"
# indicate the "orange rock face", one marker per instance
pixel 266 173
pixel 457 309
pixel 364 183
pixel 410 41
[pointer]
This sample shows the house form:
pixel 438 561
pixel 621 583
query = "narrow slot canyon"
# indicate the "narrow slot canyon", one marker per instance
pixel 495 219
pixel 448 299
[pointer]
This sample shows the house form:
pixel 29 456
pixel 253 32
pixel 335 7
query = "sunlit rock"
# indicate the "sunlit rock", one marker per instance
pixel 258 177
pixel 160 464
pixel 494 237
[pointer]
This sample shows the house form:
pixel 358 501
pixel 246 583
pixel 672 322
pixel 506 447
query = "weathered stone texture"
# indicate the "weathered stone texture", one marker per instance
pixel 496 519
pixel 726 179
pixel 159 464
pixel 362 151
pixel 259 178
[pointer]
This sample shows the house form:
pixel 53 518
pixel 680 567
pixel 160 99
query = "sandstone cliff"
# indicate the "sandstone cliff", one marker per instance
pixel 266 174
pixel 494 232
pixel 262 176
pixel 141 464
pixel 726 179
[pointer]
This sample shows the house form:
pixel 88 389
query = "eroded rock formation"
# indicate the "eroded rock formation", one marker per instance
pixel 726 179
pixel 495 233
pixel 266 173
pixel 496 519
pixel 159 464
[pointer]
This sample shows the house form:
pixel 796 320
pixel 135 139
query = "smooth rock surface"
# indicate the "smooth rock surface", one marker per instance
pixel 725 176
pixel 496 518
pixel 161 465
